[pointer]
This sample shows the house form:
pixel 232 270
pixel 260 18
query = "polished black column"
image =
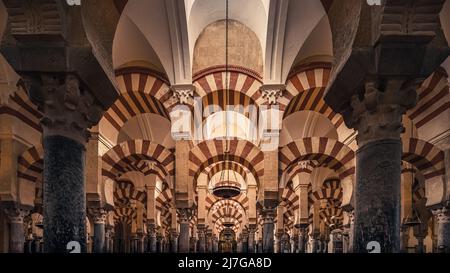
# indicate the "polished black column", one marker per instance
pixel 64 201
pixel 99 219
pixel 268 230
pixel 377 195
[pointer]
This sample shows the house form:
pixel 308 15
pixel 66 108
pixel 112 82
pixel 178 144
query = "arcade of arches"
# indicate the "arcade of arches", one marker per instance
pixel 137 126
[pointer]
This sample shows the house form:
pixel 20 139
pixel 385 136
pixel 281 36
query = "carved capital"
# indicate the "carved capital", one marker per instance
pixel 69 108
pixel 272 93
pixel 98 215
pixel 442 215
pixel 185 214
pixel 183 93
pixel 268 214
pixel 15 215
pixel 377 112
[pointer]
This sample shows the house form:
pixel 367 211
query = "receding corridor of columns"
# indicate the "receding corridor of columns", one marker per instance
pixel 224 126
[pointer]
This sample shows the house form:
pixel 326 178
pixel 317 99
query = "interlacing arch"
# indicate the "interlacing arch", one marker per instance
pixel 124 191
pixel 19 105
pixel 240 79
pixel 305 92
pixel 426 157
pixel 327 152
pixel 242 199
pixel 212 151
pixel 223 166
pixel 433 99
pixel 116 160
pixel 227 208
pixel 31 164
pixel 141 92
pixel 332 216
pixel 331 190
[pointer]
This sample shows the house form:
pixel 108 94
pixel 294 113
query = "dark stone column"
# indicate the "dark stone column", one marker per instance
pixel 376 114
pixel 209 241
pixel 301 239
pixel 443 235
pixel 151 240
pixel 201 243
pixel 244 241
pixel 174 241
pixel 159 243
pixel 259 246
pixel 69 109
pixel 268 230
pixel 99 219
pixel 183 241
pixel 16 229
pixel 64 202
pixel 251 239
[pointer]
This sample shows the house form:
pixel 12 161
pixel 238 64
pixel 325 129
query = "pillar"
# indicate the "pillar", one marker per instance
pixel 16 230
pixel 151 240
pixel 173 241
pixel 301 239
pixel 443 229
pixel 251 239
pixel 183 241
pixel 201 243
pixel 268 215
pixel 209 240
pixel 69 109
pixel 377 117
pixel 99 219
pixel 159 243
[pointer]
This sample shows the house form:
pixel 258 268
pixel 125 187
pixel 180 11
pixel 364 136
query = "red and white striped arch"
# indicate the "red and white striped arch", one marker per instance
pixel 327 152
pixel 116 160
pixel 424 156
pixel 242 152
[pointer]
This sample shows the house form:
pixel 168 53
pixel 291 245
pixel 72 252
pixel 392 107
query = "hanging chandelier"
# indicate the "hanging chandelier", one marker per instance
pixel 228 220
pixel 226 188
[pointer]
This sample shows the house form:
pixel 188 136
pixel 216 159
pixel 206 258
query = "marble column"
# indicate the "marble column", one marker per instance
pixel 376 114
pixel 209 241
pixel 244 240
pixel 151 240
pixel 443 230
pixel 159 243
pixel 251 239
pixel 174 241
pixel 16 229
pixel 109 234
pixel 69 109
pixel 99 219
pixel 268 215
pixel 259 246
pixel 301 239
pixel 215 245
pixel 183 241
pixel 201 243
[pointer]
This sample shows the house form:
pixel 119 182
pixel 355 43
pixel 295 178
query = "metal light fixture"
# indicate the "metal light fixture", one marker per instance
pixel 225 187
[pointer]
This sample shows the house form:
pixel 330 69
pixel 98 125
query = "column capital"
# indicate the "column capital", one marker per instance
pixel 268 214
pixel 184 93
pixel 272 92
pixel 69 108
pixel 98 215
pixel 377 112
pixel 442 215
pixel 185 214
pixel 16 215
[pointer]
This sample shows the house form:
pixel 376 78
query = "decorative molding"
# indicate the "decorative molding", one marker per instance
pixel 231 68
